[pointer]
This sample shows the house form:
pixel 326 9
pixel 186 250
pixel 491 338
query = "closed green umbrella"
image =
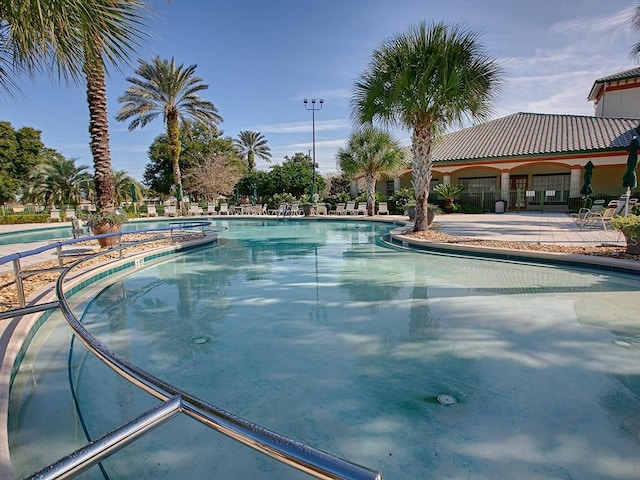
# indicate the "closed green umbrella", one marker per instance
pixel 586 189
pixel 630 178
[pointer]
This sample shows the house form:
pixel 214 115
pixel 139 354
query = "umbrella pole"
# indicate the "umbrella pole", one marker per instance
pixel 626 204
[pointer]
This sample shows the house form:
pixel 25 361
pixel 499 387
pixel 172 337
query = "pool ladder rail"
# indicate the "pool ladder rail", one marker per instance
pixel 307 459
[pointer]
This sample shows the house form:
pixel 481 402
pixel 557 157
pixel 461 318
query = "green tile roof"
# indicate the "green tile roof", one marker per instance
pixel 624 75
pixel 524 134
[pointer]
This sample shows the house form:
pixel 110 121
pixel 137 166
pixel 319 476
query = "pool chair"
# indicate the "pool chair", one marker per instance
pixel 294 209
pixel 211 208
pixel 195 210
pixel 151 211
pixel 350 208
pixel 76 228
pixel 362 208
pixel 54 215
pixel 598 218
pixel 587 213
pixel 224 209
pixel 382 208
pixel 170 211
pixel 339 210
pixel 69 214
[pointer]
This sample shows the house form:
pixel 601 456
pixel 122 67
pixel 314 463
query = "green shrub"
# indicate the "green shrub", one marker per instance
pixel 20 218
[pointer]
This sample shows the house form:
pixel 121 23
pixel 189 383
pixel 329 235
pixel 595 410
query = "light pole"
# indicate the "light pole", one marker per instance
pixel 314 108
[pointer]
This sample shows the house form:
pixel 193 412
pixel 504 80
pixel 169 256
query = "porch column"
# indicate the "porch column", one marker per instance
pixel 354 188
pixel 574 182
pixel 446 179
pixel 505 181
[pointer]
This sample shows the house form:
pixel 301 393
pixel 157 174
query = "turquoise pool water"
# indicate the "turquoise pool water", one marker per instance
pixel 319 332
pixel 65 233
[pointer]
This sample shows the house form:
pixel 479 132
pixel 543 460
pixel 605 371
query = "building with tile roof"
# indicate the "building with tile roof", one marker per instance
pixel 536 160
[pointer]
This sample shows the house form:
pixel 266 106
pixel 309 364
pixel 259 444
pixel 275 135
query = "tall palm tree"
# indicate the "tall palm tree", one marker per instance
pixel 425 80
pixel 79 38
pixel 374 153
pixel 635 22
pixel 164 88
pixel 249 144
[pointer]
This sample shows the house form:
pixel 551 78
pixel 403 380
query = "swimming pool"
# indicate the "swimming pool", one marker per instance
pixel 319 332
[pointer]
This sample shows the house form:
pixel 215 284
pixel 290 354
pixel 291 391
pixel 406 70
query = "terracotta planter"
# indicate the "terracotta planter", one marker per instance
pixel 106 228
pixel 431 215
pixel 633 242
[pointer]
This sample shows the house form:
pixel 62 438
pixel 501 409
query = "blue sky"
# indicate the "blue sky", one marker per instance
pixel 260 59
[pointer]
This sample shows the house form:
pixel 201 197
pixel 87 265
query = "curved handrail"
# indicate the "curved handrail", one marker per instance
pixel 307 459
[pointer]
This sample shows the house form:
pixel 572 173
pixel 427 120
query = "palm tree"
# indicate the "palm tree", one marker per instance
pixel 123 183
pixel 79 38
pixel 164 88
pixel 249 144
pixel 58 181
pixel 425 80
pixel 635 22
pixel 374 153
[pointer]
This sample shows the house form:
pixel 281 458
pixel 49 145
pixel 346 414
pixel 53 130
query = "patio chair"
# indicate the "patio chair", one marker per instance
pixel 600 217
pixel 195 210
pixel 587 213
pixel 151 211
pixel 224 209
pixel 339 210
pixel 362 208
pixel 170 211
pixel 69 214
pixel 382 208
pixel 211 208
pixel 76 228
pixel 350 208
pixel 294 209
pixel 54 215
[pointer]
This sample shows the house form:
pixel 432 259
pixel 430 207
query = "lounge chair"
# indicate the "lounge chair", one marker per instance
pixel 195 210
pixel 350 208
pixel 224 209
pixel 382 208
pixel 170 211
pixel 211 208
pixel 76 228
pixel 362 208
pixel 587 213
pixel 600 217
pixel 339 210
pixel 151 211
pixel 69 214
pixel 54 215
pixel 294 209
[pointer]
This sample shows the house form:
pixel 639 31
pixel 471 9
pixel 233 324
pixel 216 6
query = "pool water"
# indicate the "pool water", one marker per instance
pixel 318 331
pixel 65 232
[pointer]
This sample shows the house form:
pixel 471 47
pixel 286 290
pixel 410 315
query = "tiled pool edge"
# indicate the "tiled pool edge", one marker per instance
pixel 17 337
pixel 397 238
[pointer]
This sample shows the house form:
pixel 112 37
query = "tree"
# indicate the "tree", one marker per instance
pixel 294 176
pixel 79 38
pixel 215 174
pixel 249 144
pixel 373 153
pixel 425 80
pixel 198 143
pixel 20 152
pixel 170 90
pixel 123 183
pixel 58 181
pixel 635 21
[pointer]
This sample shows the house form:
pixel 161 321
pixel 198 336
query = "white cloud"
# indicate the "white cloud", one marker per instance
pixel 304 127
pixel 589 26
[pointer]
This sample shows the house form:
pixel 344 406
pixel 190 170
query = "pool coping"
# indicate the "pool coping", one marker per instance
pixel 398 238
pixel 17 333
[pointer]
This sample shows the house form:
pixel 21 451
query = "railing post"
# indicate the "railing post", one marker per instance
pixel 17 270
pixel 543 194
pixel 59 253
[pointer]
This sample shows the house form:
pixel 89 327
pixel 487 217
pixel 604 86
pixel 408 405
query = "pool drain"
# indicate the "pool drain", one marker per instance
pixel 200 340
pixel 445 399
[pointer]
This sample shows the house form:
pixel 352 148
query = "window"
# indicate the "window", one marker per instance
pixel 390 188
pixel 479 184
pixel 555 186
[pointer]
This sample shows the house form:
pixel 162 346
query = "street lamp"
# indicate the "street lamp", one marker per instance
pixel 314 107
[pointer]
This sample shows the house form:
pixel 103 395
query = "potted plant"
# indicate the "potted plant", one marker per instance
pixel 630 228
pixel 432 211
pixel 106 222
pixel 449 193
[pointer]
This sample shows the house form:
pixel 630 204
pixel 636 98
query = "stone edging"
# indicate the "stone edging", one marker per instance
pixel 397 238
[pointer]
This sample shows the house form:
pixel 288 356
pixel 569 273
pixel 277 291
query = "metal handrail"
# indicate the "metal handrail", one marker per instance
pixel 302 457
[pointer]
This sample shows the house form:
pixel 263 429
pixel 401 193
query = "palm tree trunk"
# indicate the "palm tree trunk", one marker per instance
pixel 371 193
pixel 251 162
pixel 173 130
pixel 99 132
pixel 421 164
